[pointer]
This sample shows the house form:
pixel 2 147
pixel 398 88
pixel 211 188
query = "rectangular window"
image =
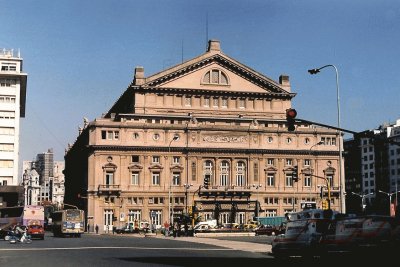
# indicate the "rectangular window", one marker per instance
pixel 256 172
pixel 8 115
pixel 206 102
pixel 7 131
pixel 193 171
pixel 176 160
pixel 6 164
pixel 224 103
pixel 270 179
pixel 289 162
pixel 109 179
pixel 110 135
pixel 271 213
pixel 135 159
pixel 215 102
pixel 242 103
pixel 307 162
pixel 188 101
pixel 176 179
pixel 289 180
pixel 6 147
pixel 135 178
pixel 155 178
pixel 307 180
pixel 156 159
pixel 270 162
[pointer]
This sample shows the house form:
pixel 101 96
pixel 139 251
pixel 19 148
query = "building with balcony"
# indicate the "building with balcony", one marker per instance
pixel 208 134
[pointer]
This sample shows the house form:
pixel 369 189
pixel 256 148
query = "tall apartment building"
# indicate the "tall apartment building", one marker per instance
pixel 43 180
pixel 209 133
pixel 373 165
pixel 12 107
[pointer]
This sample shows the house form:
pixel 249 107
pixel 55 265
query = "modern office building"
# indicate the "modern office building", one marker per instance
pixel 208 135
pixel 12 108
pixel 373 169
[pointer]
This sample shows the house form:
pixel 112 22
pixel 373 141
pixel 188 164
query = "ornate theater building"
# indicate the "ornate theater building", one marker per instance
pixel 207 137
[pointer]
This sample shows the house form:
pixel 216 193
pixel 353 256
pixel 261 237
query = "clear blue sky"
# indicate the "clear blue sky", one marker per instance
pixel 80 55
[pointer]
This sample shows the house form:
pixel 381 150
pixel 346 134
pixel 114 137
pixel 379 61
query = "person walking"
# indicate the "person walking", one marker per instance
pixel 176 229
pixel 97 229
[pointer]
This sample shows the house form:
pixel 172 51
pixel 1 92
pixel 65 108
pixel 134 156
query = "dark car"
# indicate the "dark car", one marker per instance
pixel 269 230
pixel 36 231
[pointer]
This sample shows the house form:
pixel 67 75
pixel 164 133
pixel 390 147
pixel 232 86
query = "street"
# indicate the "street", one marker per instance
pixel 123 250
pixel 138 250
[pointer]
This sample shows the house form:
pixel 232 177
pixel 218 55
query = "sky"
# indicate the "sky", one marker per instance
pixel 80 55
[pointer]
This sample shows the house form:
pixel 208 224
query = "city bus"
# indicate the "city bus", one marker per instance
pixel 22 215
pixel 68 222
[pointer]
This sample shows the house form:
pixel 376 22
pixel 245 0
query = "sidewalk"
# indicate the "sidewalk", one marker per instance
pixel 236 245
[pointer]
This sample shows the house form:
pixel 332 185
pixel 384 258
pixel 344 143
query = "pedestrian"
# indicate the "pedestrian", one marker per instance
pixel 176 229
pixel 113 229
pixel 97 229
pixel 88 227
pixel 166 229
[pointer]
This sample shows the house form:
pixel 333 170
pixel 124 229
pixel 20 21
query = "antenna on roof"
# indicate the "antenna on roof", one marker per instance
pixel 182 51
pixel 206 30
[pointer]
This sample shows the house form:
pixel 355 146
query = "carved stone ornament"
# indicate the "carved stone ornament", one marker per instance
pixel 225 139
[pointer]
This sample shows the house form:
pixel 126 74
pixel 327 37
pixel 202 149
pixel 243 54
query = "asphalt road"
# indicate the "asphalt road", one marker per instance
pixel 135 250
pixel 124 250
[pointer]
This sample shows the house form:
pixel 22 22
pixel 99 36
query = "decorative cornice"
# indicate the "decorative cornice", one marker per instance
pixel 236 151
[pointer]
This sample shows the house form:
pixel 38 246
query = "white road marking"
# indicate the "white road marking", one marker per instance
pixel 138 248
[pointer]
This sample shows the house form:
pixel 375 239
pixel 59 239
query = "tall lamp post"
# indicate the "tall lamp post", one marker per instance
pixel 362 196
pixel 310 152
pixel 170 213
pixel 341 176
pixel 390 197
pixel 187 186
pixel 257 186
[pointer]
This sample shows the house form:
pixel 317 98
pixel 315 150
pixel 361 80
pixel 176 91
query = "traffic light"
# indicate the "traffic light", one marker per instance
pixel 206 182
pixel 325 204
pixel 290 118
pixel 295 174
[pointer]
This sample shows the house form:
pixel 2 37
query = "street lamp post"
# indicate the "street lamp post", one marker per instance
pixel 187 186
pixel 390 197
pixel 310 152
pixel 257 186
pixel 362 196
pixel 341 176
pixel 170 212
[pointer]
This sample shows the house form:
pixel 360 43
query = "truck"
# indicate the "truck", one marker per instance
pixel 271 221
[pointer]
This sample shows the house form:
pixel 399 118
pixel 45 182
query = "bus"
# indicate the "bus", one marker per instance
pixel 68 222
pixel 22 215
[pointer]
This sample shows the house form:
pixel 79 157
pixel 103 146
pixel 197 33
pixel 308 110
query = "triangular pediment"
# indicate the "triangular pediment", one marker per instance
pixel 191 75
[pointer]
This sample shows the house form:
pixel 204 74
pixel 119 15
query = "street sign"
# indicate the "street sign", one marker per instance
pixel 308 205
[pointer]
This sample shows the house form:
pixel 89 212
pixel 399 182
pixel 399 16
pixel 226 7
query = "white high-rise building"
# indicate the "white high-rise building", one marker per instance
pixel 12 107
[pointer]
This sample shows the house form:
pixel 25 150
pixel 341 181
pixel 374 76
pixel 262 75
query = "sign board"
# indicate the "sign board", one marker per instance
pixel 308 205
pixel 122 217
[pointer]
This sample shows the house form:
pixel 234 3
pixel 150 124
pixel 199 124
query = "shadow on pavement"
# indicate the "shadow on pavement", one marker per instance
pixel 224 262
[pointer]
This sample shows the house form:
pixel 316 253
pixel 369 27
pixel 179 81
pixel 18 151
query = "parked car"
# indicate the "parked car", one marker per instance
pixel 269 230
pixel 36 231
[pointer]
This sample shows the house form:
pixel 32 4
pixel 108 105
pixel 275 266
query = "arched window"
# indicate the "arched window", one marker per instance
pixel 224 173
pixel 240 174
pixel 215 76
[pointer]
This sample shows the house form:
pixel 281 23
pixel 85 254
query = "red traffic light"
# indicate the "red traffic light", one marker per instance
pixel 291 113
